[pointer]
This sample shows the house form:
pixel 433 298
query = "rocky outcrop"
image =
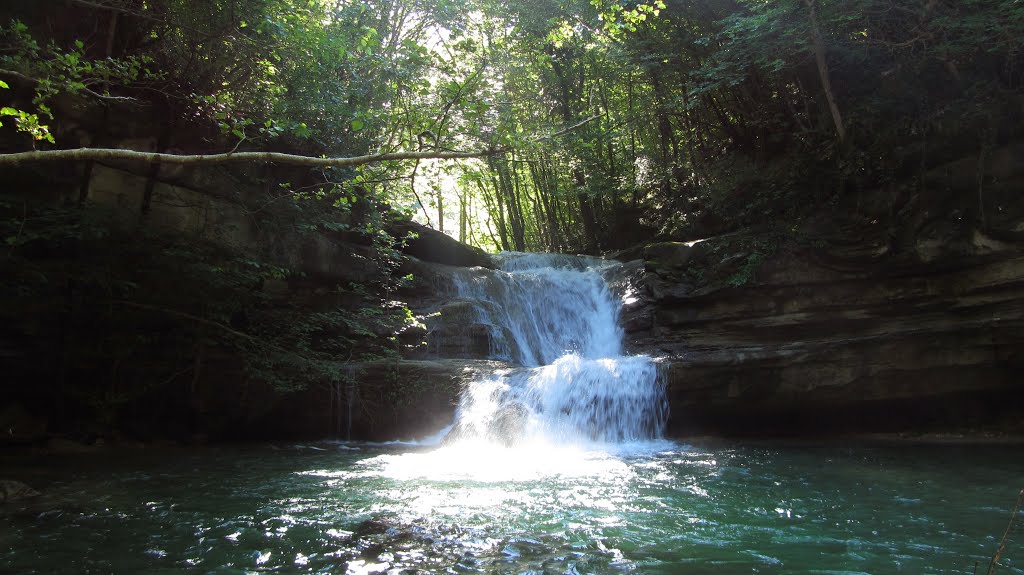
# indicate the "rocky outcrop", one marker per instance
pixel 452 326
pixel 430 245
pixel 764 338
pixel 407 399
pixel 456 332
pixel 896 309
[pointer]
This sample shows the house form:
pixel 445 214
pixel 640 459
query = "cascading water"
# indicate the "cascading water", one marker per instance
pixel 556 316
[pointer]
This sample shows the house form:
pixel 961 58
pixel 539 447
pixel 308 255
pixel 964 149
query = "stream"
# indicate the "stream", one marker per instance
pixel 659 507
pixel 555 466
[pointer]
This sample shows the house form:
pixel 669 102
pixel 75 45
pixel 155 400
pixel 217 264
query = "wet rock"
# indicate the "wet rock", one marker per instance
pixel 470 341
pixel 640 320
pixel 459 312
pixel 11 491
pixel 454 332
pixel 421 397
pixel 669 254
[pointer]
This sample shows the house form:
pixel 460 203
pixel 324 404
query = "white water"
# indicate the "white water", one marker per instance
pixel 556 316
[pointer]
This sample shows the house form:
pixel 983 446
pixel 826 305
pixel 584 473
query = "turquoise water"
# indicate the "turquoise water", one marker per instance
pixel 655 508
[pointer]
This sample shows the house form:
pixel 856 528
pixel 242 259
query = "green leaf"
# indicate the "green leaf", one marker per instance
pixel 4 85
pixel 8 112
pixel 357 124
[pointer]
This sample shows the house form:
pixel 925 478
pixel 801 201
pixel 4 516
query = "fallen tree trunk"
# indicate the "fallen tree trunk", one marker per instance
pixel 113 154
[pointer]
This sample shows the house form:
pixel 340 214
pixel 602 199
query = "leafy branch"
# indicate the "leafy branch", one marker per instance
pixel 72 87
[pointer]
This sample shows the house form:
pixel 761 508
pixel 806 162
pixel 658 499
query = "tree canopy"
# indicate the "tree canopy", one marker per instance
pixel 623 119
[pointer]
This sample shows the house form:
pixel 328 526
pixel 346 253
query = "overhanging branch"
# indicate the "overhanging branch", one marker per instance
pixel 87 91
pixel 113 154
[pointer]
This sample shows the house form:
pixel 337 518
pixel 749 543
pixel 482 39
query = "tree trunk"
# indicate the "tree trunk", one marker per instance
pixel 590 242
pixel 496 205
pixel 823 71
pixel 440 211
pixel 462 218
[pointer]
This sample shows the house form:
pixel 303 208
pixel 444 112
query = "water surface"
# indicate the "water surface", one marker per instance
pixel 554 467
pixel 657 507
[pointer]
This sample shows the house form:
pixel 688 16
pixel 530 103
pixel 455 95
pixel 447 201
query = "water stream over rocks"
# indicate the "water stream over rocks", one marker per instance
pixel 556 316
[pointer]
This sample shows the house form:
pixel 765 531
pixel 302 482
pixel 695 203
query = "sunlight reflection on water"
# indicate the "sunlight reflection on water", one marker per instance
pixel 483 462
pixel 652 508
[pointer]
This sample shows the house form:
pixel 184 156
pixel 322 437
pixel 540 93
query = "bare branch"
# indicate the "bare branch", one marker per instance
pixel 573 127
pixel 87 91
pixel 112 154
pixel 1014 515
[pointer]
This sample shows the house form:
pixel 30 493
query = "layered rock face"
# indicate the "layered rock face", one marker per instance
pixel 897 309
pixel 385 400
pixel 834 340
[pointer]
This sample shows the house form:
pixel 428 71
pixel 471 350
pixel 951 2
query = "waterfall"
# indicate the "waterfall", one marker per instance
pixel 555 316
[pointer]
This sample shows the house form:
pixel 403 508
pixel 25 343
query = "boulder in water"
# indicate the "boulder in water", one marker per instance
pixel 11 490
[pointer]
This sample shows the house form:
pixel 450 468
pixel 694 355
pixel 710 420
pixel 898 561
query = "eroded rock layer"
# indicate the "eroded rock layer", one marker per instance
pixel 834 339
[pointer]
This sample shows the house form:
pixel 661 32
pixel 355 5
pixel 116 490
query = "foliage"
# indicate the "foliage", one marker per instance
pixel 687 118
pixel 54 69
pixel 709 116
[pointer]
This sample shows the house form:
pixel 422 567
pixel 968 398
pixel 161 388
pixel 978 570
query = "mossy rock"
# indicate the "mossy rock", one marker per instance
pixel 670 254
